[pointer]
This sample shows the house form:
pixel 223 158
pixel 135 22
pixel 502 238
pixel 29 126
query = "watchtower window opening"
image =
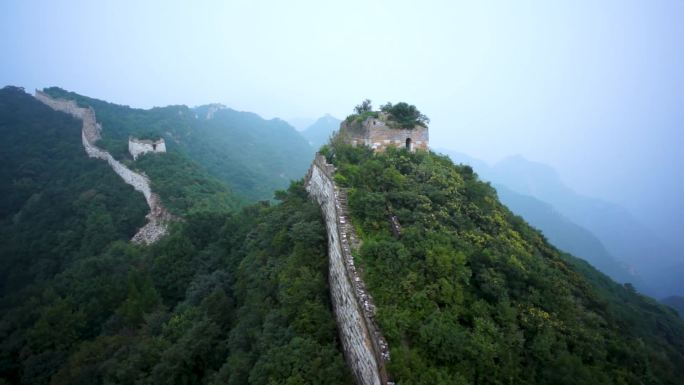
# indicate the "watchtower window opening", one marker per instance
pixel 408 144
pixel 154 147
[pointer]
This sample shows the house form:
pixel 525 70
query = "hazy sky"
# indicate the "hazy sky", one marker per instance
pixel 593 88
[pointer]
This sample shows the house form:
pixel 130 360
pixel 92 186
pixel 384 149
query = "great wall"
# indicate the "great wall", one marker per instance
pixel 364 347
pixel 158 218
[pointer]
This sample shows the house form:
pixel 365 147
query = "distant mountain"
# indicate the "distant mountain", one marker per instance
pixel 319 132
pixel 300 123
pixel 253 155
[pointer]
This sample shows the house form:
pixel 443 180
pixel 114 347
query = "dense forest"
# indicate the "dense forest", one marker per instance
pixel 468 293
pixel 236 298
pixel 225 299
pixel 57 204
pixel 252 155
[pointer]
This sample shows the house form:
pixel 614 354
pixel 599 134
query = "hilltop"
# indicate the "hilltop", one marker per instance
pixel 467 292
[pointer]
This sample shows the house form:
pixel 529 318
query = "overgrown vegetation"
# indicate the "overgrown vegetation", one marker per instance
pixel 400 115
pixel 362 112
pixel 226 298
pixel 405 115
pixel 469 293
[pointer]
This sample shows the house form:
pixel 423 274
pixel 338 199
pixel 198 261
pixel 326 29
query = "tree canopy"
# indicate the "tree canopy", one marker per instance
pixel 405 115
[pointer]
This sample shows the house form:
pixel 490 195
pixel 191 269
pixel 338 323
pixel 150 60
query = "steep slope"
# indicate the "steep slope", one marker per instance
pixel 466 292
pixel 158 218
pixel 224 299
pixel 560 230
pixel 565 234
pixel 319 132
pixel 624 236
pixel 252 155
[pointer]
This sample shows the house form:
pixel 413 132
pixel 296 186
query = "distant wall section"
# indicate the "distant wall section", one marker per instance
pixel 158 217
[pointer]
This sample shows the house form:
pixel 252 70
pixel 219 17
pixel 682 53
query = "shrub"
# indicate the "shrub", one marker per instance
pixel 405 115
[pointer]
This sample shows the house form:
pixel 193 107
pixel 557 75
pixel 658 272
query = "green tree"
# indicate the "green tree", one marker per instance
pixel 405 115
pixel 365 106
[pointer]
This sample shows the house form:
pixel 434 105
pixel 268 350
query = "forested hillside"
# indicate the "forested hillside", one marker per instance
pixel 57 204
pixel 252 155
pixel 655 260
pixel 558 228
pixel 565 234
pixel 227 297
pixel 468 293
pixel 224 299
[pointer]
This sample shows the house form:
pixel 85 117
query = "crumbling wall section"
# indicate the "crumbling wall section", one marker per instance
pixel 158 218
pixel 365 349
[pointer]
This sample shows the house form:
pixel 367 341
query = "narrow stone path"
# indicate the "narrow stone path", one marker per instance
pixel 158 218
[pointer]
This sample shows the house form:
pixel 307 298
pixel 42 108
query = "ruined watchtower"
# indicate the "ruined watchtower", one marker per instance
pixel 138 147
pixel 378 132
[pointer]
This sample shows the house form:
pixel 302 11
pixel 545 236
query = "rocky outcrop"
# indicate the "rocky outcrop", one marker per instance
pixel 159 217
pixel 365 349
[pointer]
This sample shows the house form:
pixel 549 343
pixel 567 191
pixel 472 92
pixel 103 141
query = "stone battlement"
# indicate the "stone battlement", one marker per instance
pixel 365 349
pixel 158 217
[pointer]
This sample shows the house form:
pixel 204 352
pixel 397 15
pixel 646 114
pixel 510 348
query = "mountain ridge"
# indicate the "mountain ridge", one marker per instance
pixel 229 137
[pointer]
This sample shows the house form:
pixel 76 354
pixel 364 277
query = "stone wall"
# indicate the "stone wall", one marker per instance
pixel 376 134
pixel 158 217
pixel 364 347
